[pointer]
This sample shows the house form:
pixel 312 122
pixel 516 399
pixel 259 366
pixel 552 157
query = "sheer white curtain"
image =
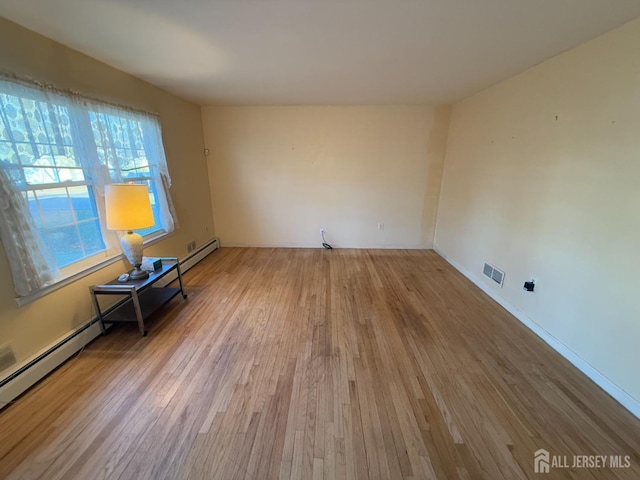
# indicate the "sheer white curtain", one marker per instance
pixel 31 263
pixel 131 148
pixel 57 152
pixel 23 163
pixel 155 149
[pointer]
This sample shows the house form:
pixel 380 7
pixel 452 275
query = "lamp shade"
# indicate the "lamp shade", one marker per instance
pixel 128 207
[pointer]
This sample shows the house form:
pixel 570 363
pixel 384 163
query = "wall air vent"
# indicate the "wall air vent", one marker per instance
pixel 493 273
pixel 7 357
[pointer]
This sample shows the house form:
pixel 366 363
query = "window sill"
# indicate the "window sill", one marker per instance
pixel 63 282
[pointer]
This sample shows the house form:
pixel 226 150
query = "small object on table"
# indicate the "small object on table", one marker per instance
pixel 151 264
pixel 124 277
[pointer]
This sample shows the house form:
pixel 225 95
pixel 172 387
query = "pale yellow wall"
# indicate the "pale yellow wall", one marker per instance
pixel 279 174
pixel 542 177
pixel 33 327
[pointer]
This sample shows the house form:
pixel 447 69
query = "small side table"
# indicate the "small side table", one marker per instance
pixel 141 298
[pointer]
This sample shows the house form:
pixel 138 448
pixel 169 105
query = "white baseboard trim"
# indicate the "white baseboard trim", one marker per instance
pixel 199 254
pixel 318 245
pixel 47 360
pixel 191 260
pixel 620 395
pixel 31 371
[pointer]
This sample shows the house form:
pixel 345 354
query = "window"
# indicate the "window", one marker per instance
pixel 120 146
pixel 57 151
pixel 36 144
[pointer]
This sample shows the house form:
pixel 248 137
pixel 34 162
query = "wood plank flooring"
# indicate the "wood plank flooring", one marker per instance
pixel 315 364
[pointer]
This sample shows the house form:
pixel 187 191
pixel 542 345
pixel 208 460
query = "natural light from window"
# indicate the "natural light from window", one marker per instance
pixel 58 151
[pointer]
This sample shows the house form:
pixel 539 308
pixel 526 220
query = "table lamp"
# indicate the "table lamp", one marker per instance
pixel 128 208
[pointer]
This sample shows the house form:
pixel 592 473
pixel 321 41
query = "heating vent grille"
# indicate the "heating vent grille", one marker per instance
pixel 7 357
pixel 493 273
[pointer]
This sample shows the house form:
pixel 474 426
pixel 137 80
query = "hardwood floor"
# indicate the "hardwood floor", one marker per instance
pixel 300 363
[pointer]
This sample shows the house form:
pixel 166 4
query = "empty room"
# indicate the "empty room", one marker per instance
pixel 319 239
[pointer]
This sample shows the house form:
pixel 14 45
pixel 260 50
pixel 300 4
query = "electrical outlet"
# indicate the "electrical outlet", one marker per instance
pixel 322 231
pixel 381 226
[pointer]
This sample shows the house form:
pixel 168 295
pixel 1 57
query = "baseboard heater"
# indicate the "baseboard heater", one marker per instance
pixel 61 350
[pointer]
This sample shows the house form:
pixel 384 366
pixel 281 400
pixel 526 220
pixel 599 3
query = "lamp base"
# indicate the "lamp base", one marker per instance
pixel 137 274
pixel 132 247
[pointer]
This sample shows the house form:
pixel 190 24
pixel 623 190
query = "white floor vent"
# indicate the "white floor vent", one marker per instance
pixel 493 273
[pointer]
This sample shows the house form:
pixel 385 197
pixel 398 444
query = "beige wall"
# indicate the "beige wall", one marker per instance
pixel 279 174
pixel 33 327
pixel 542 177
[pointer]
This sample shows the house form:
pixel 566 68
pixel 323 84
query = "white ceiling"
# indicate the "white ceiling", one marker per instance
pixel 321 52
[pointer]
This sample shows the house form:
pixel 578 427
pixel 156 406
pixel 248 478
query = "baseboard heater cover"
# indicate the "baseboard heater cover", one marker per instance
pixel 35 369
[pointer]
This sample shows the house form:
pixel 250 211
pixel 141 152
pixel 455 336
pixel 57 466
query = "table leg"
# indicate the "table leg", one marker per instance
pixel 138 310
pixel 98 312
pixel 184 295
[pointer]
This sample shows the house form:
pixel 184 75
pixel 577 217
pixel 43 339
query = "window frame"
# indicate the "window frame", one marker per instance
pixel 72 277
